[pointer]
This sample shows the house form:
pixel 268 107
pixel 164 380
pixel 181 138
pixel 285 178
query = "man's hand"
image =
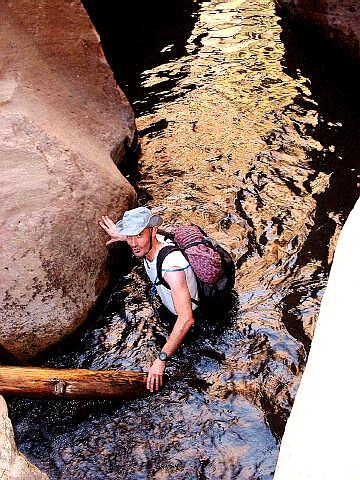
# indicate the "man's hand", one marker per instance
pixel 109 226
pixel 155 375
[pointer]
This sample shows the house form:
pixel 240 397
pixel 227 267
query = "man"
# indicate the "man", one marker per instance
pixel 138 228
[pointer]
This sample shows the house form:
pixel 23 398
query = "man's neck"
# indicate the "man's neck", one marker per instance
pixel 156 245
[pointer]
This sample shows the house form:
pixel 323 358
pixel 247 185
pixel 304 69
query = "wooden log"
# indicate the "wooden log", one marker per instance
pixel 66 383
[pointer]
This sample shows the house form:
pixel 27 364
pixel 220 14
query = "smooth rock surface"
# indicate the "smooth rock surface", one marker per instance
pixel 13 465
pixel 339 20
pixel 62 122
pixel 321 440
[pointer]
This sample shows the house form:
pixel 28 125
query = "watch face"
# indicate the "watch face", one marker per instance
pixel 163 356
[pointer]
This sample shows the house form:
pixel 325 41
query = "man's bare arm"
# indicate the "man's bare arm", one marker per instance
pixel 182 302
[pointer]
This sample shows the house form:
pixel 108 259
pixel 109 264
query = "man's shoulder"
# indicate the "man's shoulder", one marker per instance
pixel 175 258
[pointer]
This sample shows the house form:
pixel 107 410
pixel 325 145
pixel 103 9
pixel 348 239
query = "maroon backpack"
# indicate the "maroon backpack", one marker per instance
pixel 212 265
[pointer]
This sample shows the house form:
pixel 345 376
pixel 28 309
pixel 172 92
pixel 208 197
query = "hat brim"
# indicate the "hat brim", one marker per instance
pixel 154 221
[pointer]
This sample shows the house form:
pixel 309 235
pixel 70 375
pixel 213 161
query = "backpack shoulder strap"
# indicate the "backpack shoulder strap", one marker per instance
pixel 163 253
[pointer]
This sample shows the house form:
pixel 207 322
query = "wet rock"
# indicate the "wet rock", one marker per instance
pixel 64 123
pixel 13 465
pixel 321 435
pixel 339 20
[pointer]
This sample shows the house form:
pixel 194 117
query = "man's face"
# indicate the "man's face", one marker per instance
pixel 140 244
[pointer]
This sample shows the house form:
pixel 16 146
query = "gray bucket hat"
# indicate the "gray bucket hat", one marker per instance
pixel 134 221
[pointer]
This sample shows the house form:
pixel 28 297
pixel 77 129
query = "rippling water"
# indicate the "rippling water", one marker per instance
pixel 251 132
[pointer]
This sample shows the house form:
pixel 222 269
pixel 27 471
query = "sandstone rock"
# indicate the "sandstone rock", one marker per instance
pixel 339 20
pixel 13 465
pixel 62 118
pixel 321 439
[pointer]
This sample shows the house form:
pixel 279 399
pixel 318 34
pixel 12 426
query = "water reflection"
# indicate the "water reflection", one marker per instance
pixel 241 133
pixel 234 48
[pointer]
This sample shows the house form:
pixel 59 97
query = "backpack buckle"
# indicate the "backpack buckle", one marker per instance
pixel 153 291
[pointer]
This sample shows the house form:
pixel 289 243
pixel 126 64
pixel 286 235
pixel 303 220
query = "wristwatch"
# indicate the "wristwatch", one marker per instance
pixel 163 356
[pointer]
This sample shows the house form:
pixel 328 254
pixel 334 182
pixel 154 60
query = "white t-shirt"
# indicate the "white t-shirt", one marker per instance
pixel 172 262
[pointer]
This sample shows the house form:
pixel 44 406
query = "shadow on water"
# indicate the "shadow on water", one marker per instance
pixel 138 36
pixel 333 80
pixel 233 380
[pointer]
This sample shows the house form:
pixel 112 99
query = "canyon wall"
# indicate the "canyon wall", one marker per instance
pixel 13 465
pixel 339 20
pixel 64 124
pixel 321 435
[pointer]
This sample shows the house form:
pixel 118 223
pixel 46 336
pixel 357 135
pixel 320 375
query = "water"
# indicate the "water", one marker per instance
pixel 249 128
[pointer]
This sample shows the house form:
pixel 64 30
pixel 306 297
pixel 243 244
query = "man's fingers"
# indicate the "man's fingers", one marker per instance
pixel 149 382
pixel 102 225
pixel 108 222
pixel 154 381
pixel 103 221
